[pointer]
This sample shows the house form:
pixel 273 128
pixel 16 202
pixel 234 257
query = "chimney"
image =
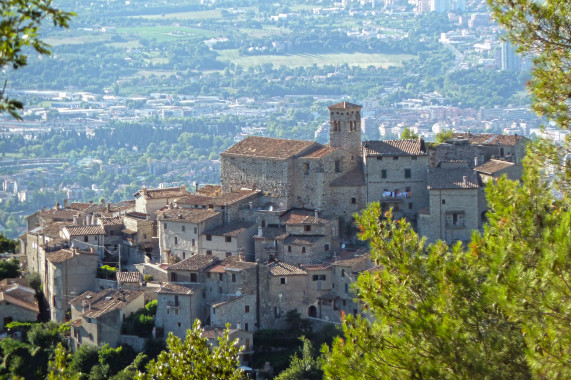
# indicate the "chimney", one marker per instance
pixel 75 222
pixel 475 161
pixel 103 202
pixel 65 203
pixel 56 206
pixel 196 187
pixel 316 212
pixel 108 207
pixel 464 180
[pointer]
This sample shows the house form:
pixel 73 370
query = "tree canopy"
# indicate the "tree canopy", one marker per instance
pixel 20 28
pixel 542 29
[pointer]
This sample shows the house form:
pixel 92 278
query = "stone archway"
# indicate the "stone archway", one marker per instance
pixel 312 312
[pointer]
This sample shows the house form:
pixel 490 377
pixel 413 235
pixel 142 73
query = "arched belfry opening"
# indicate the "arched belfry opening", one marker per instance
pixel 345 127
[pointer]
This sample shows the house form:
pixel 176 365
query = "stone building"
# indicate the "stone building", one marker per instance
pixel 17 303
pixel 148 201
pixel 97 317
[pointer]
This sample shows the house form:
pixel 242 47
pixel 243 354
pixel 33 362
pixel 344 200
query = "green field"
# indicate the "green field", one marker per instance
pixel 304 60
pixel 164 33
pixel 200 15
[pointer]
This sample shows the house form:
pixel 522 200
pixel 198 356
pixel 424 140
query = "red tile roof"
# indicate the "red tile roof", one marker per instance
pixel 344 105
pixel 412 147
pixel 129 277
pixel 283 269
pixel 194 263
pixel 168 192
pixel 302 217
pixel 85 230
pixel 105 301
pixel 189 215
pixel 493 166
pixel 232 229
pixel 490 138
pixel 267 147
pixel 452 179
pixel 209 189
pixel 170 288
pixel 322 152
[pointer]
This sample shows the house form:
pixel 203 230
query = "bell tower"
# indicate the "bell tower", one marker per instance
pixel 345 127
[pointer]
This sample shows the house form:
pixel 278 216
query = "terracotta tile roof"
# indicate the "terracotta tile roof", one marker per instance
pixel 52 229
pixel 439 178
pixel 233 263
pixel 316 267
pixel 414 147
pixel 235 196
pixel 276 233
pixel 78 206
pixel 129 277
pixel 493 166
pixel 344 105
pixel 267 147
pixel 352 178
pixel 170 288
pixel 63 255
pixel 189 215
pixel 223 300
pixel 490 138
pixel 195 199
pixel 168 192
pixel 194 263
pixel 302 217
pixel 302 240
pixel 60 214
pixel 209 190
pixel 76 323
pixel 113 221
pixel 322 152
pixel 4 297
pixel 137 215
pixel 84 230
pixel 357 263
pixel 283 269
pixel 232 229
pixel 105 301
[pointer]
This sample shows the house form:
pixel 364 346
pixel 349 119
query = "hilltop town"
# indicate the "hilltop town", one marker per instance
pixel 276 235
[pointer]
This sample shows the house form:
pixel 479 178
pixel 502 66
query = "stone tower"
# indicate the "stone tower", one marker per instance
pixel 345 127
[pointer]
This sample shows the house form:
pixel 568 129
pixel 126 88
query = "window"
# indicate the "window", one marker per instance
pixel 173 277
pixel 353 200
pixel 407 189
pixel 195 230
pixel 307 228
pixel 444 201
pixel 178 324
pixel 193 242
pixel 228 254
pixel 176 300
pixel 306 168
pixel 208 237
pixel 410 205
pixel 247 340
pixel 282 280
pixel 342 272
pixel 346 288
pixel 175 240
pixel 227 239
pixel 395 158
pixel 85 238
pixel 276 312
pixel 263 224
pixel 193 277
pixel 289 248
pixel 219 276
pixel 233 277
pixel 209 253
pixel 379 158
pixel 183 255
pixel 246 308
pixel 208 276
pixel 326 247
pixel 165 226
pixel 302 249
pixel 337 166
pixel 144 236
pixel 407 173
pixel 384 173
pixel 319 277
pixel 183 228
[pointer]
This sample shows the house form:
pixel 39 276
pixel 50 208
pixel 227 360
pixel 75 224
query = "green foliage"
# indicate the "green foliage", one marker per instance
pixel 148 277
pixel 194 358
pixel 542 29
pixel 444 136
pixel 107 272
pixel 84 359
pixel 9 268
pixel 408 134
pixel 430 315
pixel 20 326
pixel 58 365
pixel 305 368
pixel 45 335
pixel 20 26
pixel 8 245
pixel 151 307
pixel 35 281
pixel 528 245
